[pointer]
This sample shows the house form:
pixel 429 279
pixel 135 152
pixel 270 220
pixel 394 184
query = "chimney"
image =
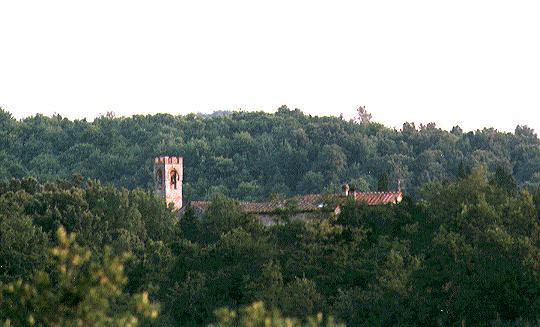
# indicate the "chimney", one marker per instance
pixel 345 189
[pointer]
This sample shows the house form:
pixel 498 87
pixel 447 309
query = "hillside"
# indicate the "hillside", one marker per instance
pixel 255 155
pixel 463 250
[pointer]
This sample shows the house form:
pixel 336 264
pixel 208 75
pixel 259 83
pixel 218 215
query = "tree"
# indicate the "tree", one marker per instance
pixel 22 247
pixel 256 315
pixel 78 292
pixel 364 117
pixel 306 299
pixel 382 183
pixel 504 179
pixel 331 161
pixel 462 170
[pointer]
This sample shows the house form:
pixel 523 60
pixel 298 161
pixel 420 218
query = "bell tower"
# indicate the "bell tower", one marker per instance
pixel 168 176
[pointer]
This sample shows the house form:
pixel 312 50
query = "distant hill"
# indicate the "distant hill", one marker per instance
pixel 253 155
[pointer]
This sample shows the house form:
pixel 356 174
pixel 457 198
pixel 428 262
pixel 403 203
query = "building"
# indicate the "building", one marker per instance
pixel 304 207
pixel 168 172
pixel 168 177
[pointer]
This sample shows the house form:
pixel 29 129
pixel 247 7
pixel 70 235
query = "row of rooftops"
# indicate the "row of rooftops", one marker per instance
pixel 296 204
pixel 310 202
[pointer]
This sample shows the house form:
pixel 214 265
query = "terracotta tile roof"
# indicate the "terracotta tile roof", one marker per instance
pixel 303 203
pixel 377 198
pixel 309 202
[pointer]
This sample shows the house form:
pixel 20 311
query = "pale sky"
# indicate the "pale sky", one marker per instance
pixel 471 63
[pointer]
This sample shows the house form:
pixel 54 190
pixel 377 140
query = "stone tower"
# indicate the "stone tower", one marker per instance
pixel 168 176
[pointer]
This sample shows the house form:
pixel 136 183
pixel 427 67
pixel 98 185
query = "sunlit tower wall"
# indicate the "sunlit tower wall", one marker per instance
pixel 168 177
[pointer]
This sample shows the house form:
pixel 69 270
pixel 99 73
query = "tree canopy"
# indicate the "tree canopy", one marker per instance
pixel 252 155
pixel 83 240
pixel 467 251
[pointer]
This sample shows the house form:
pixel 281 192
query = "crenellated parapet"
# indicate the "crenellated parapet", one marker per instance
pixel 168 160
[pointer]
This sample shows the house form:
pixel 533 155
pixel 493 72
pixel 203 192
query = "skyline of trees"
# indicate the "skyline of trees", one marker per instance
pixel 255 155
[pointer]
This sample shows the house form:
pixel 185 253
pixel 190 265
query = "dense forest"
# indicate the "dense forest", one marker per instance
pixel 75 252
pixel 256 155
pixel 102 250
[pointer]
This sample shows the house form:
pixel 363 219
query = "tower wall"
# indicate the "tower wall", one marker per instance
pixel 168 178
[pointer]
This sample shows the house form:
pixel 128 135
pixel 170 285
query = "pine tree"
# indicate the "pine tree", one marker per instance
pixel 79 291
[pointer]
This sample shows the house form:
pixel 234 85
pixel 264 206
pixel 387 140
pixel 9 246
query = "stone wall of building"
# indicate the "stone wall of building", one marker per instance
pixel 269 219
pixel 168 177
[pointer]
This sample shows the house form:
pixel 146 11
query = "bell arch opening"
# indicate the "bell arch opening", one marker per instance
pixel 174 178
